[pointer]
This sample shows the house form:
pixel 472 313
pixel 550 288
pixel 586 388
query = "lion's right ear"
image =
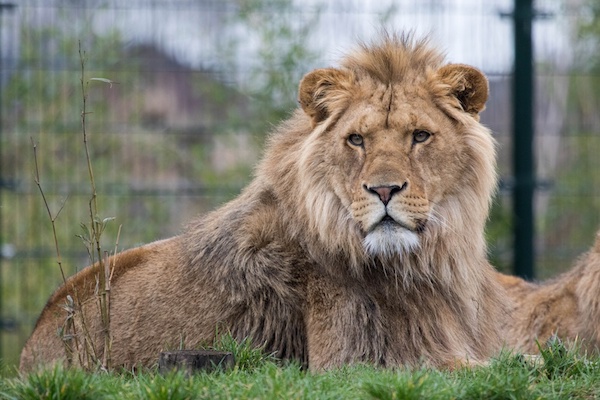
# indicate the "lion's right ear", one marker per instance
pixel 322 90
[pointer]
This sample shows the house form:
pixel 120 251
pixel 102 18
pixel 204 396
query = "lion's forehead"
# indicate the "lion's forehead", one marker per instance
pixel 402 116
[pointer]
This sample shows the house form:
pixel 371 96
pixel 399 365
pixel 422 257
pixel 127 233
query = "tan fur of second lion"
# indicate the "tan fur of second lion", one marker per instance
pixel 568 306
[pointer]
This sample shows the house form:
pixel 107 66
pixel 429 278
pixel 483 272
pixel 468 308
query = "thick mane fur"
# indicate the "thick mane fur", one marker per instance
pixel 394 59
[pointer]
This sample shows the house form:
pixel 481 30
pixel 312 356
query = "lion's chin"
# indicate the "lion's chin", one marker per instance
pixel 390 240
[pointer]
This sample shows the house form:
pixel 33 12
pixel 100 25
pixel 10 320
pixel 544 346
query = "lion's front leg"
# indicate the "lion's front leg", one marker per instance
pixel 344 325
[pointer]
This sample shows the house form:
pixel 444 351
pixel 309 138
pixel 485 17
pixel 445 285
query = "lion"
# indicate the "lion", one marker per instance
pixel 360 238
pixel 567 306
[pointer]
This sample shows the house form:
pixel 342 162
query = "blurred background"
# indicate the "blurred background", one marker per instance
pixel 198 84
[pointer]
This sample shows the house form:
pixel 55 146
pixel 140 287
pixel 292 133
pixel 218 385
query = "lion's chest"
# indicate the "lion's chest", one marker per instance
pixel 359 322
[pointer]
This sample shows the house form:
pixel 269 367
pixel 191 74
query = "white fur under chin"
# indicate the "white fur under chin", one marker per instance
pixel 390 241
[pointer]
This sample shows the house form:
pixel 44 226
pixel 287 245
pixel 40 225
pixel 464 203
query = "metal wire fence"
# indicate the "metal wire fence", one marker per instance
pixel 196 85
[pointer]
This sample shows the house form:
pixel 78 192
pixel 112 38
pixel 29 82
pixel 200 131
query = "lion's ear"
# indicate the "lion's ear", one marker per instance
pixel 322 90
pixel 468 84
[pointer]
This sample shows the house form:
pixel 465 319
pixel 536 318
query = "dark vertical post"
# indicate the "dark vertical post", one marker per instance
pixel 3 6
pixel 523 129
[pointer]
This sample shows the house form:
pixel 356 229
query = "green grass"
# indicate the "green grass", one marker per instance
pixel 559 374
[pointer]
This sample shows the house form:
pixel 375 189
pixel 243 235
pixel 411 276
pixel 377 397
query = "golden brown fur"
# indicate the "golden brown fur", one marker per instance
pixel 567 306
pixel 359 240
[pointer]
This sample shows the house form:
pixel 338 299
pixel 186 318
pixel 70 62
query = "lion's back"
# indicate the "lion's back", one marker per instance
pixel 136 273
pixel 567 306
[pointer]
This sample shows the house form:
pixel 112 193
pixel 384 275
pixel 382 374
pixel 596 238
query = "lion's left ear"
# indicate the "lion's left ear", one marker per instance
pixel 468 84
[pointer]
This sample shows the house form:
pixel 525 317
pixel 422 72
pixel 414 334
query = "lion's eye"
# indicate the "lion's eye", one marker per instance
pixel 355 139
pixel 419 136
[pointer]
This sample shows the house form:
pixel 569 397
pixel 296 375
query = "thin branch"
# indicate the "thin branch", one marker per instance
pixel 105 309
pixel 52 217
pixel 93 204
pixel 95 232
pixel 114 258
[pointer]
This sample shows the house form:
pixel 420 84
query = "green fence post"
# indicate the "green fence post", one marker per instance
pixel 523 130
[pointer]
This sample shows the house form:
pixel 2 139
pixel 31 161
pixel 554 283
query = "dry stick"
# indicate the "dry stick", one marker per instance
pixel 87 355
pixel 69 332
pixel 96 227
pixel 109 270
pixel 69 326
pixel 114 259
pixel 88 345
pixel 106 314
pixel 93 204
pixel 52 218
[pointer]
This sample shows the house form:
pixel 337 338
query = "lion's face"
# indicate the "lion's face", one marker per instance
pixel 386 156
pixel 395 163
pixel 397 155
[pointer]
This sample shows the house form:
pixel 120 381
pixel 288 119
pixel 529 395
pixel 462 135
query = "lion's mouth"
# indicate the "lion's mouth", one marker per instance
pixel 388 222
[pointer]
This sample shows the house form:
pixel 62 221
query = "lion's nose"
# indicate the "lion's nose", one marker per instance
pixel 386 192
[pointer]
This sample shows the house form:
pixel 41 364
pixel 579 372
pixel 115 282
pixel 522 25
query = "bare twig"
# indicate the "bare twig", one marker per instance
pixel 96 229
pixel 93 204
pixel 52 217
pixel 69 326
pixel 105 308
pixel 68 333
pixel 88 355
pixel 114 259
